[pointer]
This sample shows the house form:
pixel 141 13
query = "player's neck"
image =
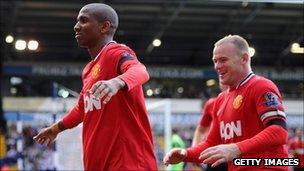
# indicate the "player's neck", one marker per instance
pixel 243 78
pixel 94 51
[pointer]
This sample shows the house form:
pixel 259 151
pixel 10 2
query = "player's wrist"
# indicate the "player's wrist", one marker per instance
pixel 184 153
pixel 54 129
pixel 236 150
pixel 57 127
pixel 119 82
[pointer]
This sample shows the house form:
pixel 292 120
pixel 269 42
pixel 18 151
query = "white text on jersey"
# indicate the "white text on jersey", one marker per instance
pixel 90 102
pixel 228 130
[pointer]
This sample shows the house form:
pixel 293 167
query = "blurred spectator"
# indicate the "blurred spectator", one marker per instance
pixel 46 160
pixel 296 148
pixel 34 156
pixel 177 142
pixel 2 144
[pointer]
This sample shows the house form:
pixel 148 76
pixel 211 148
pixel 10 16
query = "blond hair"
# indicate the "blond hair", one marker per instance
pixel 239 42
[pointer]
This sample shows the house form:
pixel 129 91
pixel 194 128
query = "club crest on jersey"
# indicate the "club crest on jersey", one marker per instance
pixel 95 71
pixel 271 99
pixel 237 101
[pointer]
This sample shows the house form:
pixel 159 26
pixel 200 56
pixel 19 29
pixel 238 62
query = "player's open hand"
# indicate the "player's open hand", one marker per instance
pixel 219 154
pixel 176 155
pixel 46 136
pixel 106 89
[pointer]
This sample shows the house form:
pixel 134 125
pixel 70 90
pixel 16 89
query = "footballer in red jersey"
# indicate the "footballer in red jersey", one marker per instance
pixel 250 119
pixel 207 116
pixel 204 122
pixel 296 148
pixel 111 106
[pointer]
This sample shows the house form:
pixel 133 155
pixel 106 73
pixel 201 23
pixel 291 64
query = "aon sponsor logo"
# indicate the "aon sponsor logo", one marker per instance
pixel 229 130
pixel 90 103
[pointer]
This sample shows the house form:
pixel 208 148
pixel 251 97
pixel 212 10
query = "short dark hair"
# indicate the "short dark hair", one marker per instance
pixel 103 12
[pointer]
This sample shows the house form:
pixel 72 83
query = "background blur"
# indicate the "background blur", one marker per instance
pixel 41 63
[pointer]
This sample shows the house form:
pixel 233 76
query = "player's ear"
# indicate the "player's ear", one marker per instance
pixel 245 57
pixel 105 27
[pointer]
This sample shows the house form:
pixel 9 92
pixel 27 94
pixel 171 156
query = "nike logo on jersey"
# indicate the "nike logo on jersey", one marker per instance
pixel 229 130
pixel 90 102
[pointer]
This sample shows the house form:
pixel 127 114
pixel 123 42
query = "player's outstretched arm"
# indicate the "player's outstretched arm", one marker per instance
pixel 174 156
pixel 47 135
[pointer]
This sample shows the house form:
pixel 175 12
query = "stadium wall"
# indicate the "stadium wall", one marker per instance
pixel 184 111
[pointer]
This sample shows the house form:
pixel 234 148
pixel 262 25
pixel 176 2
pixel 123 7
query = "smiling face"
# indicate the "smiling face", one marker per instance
pixel 87 29
pixel 229 64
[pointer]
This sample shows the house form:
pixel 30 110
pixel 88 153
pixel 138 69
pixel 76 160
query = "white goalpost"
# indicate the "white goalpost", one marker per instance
pixel 166 106
pixel 160 119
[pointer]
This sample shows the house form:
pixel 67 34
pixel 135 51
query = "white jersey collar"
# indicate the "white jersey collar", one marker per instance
pixel 112 41
pixel 246 79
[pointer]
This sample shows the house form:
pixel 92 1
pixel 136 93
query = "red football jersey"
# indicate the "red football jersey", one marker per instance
pixel 242 113
pixel 116 135
pixel 206 117
pixel 297 146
